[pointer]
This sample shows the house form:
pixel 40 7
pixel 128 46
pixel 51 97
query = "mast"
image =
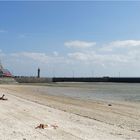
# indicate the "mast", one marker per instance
pixel 1 67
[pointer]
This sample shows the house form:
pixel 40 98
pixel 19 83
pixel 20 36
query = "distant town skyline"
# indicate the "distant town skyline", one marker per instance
pixel 67 38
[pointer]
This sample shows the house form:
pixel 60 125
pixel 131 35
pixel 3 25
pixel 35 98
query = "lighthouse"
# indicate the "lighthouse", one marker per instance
pixel 38 73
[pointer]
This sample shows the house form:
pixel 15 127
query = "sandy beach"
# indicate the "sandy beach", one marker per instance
pixel 27 107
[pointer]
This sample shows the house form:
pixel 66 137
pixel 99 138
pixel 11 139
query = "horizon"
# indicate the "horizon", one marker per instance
pixel 66 38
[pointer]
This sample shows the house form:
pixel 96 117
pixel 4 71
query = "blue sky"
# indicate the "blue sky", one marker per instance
pixel 66 38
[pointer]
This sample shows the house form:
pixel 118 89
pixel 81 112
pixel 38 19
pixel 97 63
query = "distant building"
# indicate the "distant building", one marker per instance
pixel 4 72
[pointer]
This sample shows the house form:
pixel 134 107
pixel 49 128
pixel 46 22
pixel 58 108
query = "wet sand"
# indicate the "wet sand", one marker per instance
pixel 77 119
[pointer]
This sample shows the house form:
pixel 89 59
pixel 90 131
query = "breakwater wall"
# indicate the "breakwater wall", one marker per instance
pixel 23 79
pixel 98 79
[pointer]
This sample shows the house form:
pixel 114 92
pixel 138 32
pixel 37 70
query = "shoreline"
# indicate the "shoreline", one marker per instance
pixel 121 119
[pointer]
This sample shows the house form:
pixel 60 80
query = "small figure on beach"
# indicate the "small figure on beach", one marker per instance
pixel 2 97
pixel 43 126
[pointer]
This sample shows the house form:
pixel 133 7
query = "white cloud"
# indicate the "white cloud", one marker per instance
pixel 26 63
pixel 42 57
pixel 116 52
pixel 79 56
pixel 121 44
pixel 123 54
pixel 55 53
pixel 94 57
pixel 125 43
pixel 79 44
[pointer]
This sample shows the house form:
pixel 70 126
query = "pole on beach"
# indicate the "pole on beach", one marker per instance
pixel 73 73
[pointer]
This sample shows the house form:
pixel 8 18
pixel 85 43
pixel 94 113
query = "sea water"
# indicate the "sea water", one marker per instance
pixel 98 91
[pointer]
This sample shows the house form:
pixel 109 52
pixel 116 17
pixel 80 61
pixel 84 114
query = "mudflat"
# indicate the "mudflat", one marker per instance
pixel 77 119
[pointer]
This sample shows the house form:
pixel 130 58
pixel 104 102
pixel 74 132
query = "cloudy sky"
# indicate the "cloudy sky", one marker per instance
pixel 70 38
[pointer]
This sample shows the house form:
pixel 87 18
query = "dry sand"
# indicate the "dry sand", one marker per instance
pixel 76 119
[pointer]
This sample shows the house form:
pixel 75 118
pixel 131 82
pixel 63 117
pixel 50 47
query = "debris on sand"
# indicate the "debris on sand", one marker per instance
pixel 2 97
pixel 43 126
pixel 54 126
pixel 109 104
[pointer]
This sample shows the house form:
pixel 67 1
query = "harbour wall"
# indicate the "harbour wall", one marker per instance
pixel 23 79
pixel 98 79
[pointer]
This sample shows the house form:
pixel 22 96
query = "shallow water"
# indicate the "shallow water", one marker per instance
pixel 98 91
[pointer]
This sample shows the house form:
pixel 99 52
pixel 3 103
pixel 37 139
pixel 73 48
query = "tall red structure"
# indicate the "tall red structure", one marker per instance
pixel 4 72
